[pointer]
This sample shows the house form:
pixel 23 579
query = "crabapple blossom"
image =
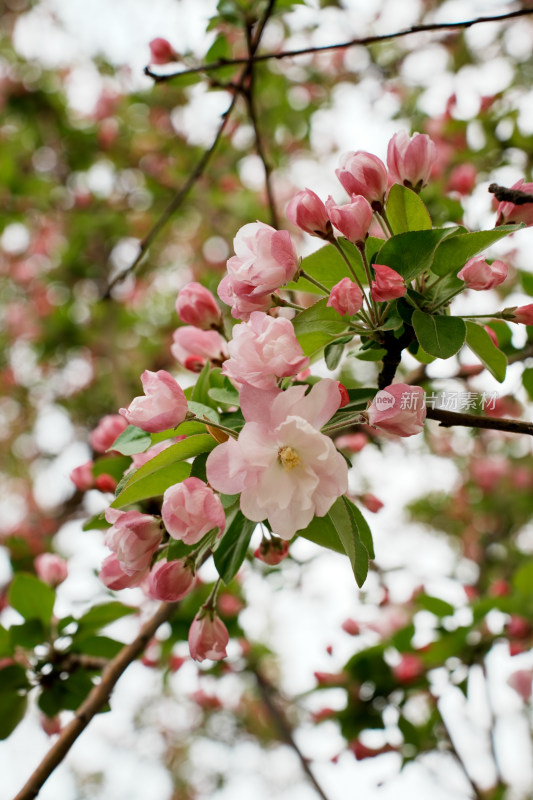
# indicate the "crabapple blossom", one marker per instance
pixel 105 482
pixel 478 274
pixel 196 305
pixel 284 468
pixel 272 551
pixel 161 51
pixel 345 397
pixel 520 681
pixel 208 636
pixel 191 509
pixel 243 302
pixel 113 576
pixel 388 284
pixel 133 537
pixel 352 219
pixel 170 580
pixel 82 477
pixel 51 568
pixel 522 314
pixel 363 174
pixel 346 297
pixel 105 433
pixel 163 406
pixel 410 159
pixel 399 409
pixel 308 212
pixel 354 442
pixel 409 669
pixel 263 349
pixel 193 347
pixel 510 213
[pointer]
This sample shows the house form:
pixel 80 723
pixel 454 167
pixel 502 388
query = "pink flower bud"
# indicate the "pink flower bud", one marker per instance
pixel 353 219
pixel 52 725
pixel 346 297
pixel 192 347
pixel 161 51
pixel 351 626
pixel 163 406
pixel 191 509
pixel 522 314
pixel 354 442
pixel 398 410
pixel 272 551
pixel 363 174
pixel 410 159
pixel 345 397
pixel 170 580
pixel 82 477
pixel 388 284
pixel 518 627
pixel 208 636
pixel 133 537
pixel 520 681
pixel 105 483
pixel 308 212
pixel 115 578
pixel 492 335
pixel 197 306
pixel 509 212
pixel 409 669
pixel 51 568
pixel 462 179
pixel 105 433
pixel 372 503
pixel 478 274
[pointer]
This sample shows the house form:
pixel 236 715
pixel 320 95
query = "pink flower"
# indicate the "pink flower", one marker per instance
pixel 478 274
pixel 373 503
pixel 262 350
pixel 363 174
pixel 272 551
pixel 462 179
pixel 170 580
pixel 243 302
pixel 509 212
pixel 354 442
pixel 197 306
pixel 352 219
pixel 388 285
pixel 208 636
pixel 492 335
pixel 285 469
pixel 308 212
pixel 105 482
pixel 138 459
pixel 409 669
pixel 115 578
pixel 105 433
pixel 163 406
pixel 398 410
pixel 51 568
pixel 82 477
pixel 161 51
pixel 192 347
pixel 520 681
pixel 191 509
pixel 346 297
pixel 410 159
pixel 522 314
pixel 133 537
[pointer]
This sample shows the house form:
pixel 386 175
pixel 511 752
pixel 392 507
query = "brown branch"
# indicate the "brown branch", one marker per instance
pixel 268 694
pixel 448 419
pixel 96 699
pixel 516 196
pixel 365 40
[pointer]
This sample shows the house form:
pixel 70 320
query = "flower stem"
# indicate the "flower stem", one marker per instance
pixel 304 274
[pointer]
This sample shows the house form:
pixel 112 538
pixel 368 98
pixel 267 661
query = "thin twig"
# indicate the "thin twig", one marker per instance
pixel 364 40
pixel 449 419
pixel 97 698
pixel 516 196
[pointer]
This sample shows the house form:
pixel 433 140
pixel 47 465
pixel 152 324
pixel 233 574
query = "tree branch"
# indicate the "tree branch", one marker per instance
pixel 96 699
pixel 365 40
pixel 448 419
pixel 516 196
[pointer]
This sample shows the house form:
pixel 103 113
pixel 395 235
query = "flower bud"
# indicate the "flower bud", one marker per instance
pixel 162 52
pixel 346 297
pixel 479 275
pixel 191 509
pixel 388 284
pixel 51 568
pixel 193 347
pixel 522 314
pixel 105 433
pixel 208 636
pixel 163 406
pixel 398 410
pixel 197 306
pixel 363 174
pixel 82 477
pixel 170 580
pixel 308 212
pixel 510 213
pixel 352 219
pixel 410 159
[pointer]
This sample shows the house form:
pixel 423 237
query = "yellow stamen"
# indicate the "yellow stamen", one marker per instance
pixel 289 458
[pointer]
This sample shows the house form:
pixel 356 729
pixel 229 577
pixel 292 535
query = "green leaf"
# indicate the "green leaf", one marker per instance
pixel 321 531
pixel 32 598
pixel 101 615
pixel 453 253
pixel 412 253
pixel 363 527
pixel 327 266
pixel 233 547
pixel 12 710
pixel 523 579
pixel 132 440
pixel 482 345
pixel 202 411
pixel 435 605
pixel 348 534
pixel 333 354
pixel 317 326
pixel 527 381
pixel 29 634
pixel 406 211
pixel 98 646
pixel 439 336
pixel 6 648
pixel 153 485
pixel 225 396
pixel 199 392
pixel 114 466
pixel 220 49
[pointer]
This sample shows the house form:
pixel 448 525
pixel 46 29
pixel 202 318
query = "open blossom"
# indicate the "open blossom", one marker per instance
pixel 105 433
pixel 197 306
pixel 509 212
pixel 51 568
pixel 398 410
pixel 352 219
pixel 262 350
pixel 192 347
pixel 410 159
pixel 163 406
pixel 363 174
pixel 284 468
pixel 243 301
pixel 170 580
pixel 133 537
pixel 113 576
pixel 388 284
pixel 478 274
pixel 346 297
pixel 191 509
pixel 208 636
pixel 308 212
